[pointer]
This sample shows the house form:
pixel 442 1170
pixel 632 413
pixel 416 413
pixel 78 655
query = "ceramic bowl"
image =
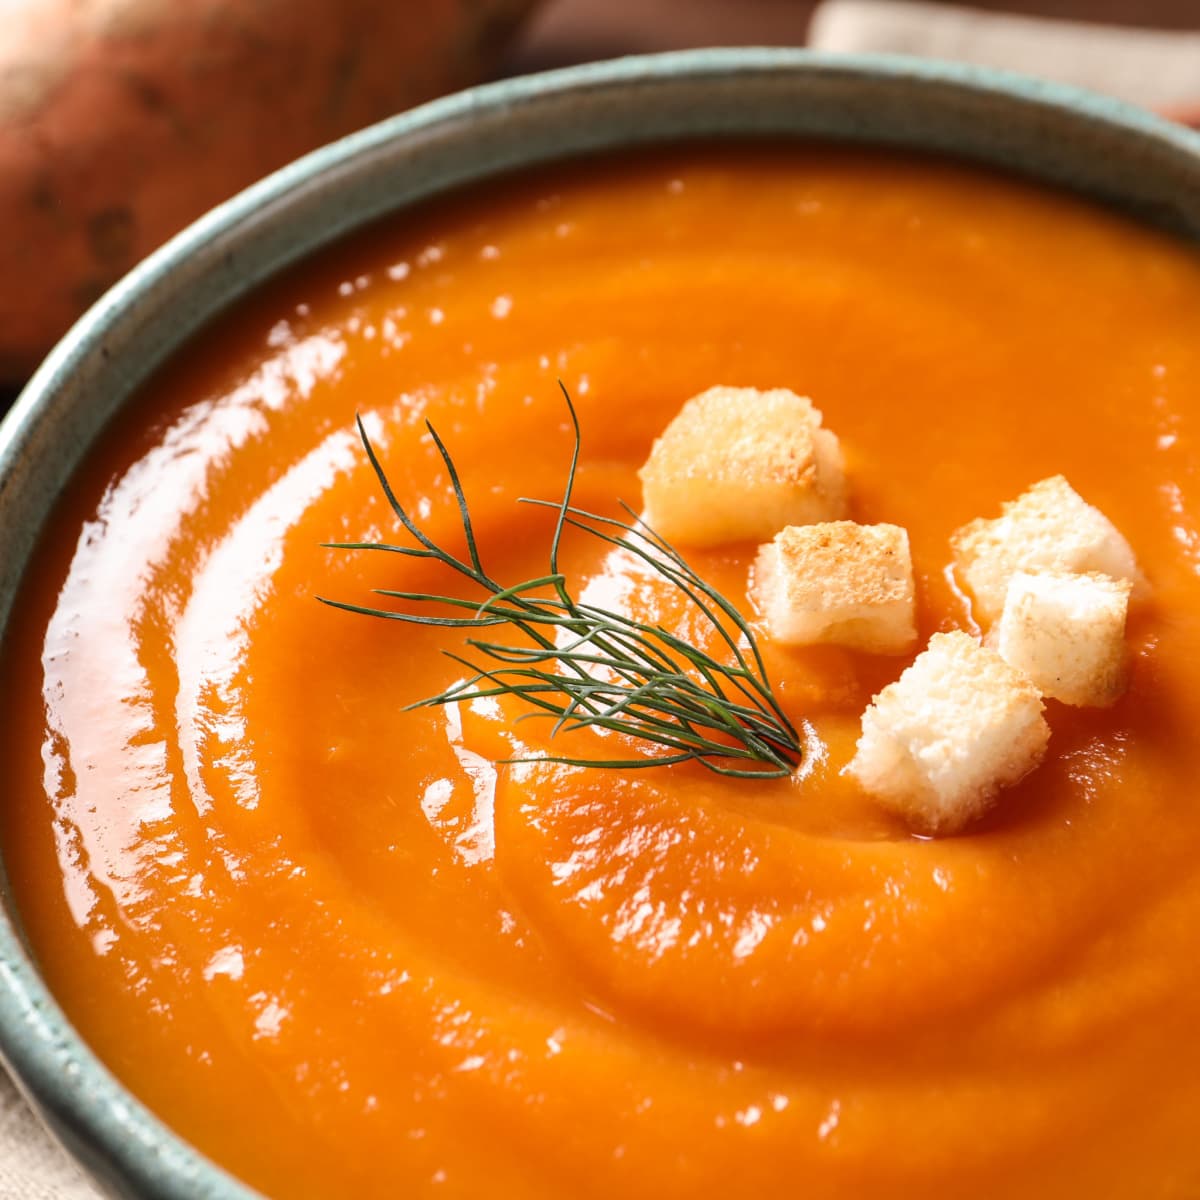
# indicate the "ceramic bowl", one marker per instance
pixel 1109 151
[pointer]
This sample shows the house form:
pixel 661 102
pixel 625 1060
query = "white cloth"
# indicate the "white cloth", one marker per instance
pixel 32 1165
pixel 1156 69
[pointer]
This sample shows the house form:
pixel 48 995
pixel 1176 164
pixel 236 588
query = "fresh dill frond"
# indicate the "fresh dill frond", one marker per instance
pixel 583 666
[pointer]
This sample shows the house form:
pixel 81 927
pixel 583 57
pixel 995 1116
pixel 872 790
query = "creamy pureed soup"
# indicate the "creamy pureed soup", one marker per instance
pixel 346 954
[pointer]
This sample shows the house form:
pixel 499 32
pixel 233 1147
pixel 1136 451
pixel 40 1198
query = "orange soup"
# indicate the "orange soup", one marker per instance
pixel 347 951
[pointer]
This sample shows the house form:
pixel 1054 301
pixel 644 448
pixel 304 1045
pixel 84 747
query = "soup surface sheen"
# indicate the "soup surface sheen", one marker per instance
pixel 342 951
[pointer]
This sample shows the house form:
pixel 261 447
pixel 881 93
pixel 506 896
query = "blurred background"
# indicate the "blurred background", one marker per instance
pixel 567 31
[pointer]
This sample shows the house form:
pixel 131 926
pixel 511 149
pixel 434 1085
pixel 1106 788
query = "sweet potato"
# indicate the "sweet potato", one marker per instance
pixel 121 120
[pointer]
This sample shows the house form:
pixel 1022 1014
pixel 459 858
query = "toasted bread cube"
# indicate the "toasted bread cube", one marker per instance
pixel 737 464
pixel 955 728
pixel 1049 527
pixel 1066 632
pixel 838 582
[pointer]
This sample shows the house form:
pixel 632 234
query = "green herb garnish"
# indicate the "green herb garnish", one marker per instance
pixel 585 666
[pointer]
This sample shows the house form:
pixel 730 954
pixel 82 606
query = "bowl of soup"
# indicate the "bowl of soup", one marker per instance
pixel 268 928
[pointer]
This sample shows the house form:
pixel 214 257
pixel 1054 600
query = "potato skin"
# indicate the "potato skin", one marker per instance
pixel 122 120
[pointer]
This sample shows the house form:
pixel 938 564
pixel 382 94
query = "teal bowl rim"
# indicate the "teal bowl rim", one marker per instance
pixel 128 1150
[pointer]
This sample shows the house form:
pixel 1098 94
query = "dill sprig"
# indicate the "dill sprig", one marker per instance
pixel 587 667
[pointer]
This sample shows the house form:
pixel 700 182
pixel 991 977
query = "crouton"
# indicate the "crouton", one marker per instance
pixel 1049 527
pixel 1066 632
pixel 737 464
pixel 838 582
pixel 955 728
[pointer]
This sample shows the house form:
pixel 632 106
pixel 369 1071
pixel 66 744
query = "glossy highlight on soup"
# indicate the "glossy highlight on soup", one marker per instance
pixel 347 952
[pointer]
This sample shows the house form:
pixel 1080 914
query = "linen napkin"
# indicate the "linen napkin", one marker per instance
pixel 32 1166
pixel 1154 68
